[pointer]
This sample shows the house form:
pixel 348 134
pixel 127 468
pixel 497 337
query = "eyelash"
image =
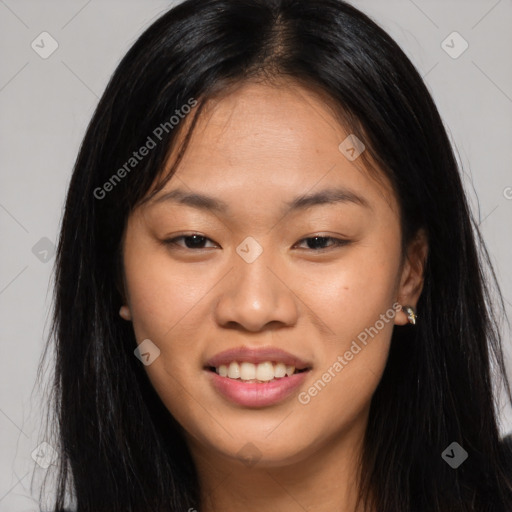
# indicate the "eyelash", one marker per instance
pixel 338 242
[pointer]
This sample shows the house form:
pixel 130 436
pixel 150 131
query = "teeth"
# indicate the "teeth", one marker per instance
pixel 263 372
pixel 234 370
pixel 279 370
pixel 247 371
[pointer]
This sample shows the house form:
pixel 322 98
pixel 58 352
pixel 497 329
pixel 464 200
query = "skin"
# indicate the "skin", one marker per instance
pixel 256 148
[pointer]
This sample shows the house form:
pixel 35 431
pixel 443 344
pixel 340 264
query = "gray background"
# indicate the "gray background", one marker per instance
pixel 47 103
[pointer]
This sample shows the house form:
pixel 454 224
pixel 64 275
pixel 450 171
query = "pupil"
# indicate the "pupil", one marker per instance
pixel 313 242
pixel 196 241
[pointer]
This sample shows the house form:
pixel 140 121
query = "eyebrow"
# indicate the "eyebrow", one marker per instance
pixel 328 196
pixel 322 197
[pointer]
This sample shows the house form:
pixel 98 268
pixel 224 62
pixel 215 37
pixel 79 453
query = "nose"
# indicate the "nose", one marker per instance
pixel 255 295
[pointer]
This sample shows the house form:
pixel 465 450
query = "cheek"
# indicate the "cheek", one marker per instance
pixel 351 295
pixel 165 303
pixel 161 295
pixel 356 302
pixel 168 306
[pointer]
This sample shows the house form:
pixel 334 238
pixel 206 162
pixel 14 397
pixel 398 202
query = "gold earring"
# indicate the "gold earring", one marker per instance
pixel 124 313
pixel 411 314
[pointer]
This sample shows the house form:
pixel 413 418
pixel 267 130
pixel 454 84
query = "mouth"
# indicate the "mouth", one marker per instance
pixel 256 377
pixel 258 385
pixel 250 373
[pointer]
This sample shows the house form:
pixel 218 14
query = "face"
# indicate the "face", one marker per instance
pixel 293 259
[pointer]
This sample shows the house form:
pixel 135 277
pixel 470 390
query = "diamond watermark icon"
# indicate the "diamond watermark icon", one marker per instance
pixel 249 454
pixel 454 45
pixel 147 352
pixel 44 249
pixel 44 45
pixel 249 250
pixel 44 455
pixel 352 147
pixel 454 455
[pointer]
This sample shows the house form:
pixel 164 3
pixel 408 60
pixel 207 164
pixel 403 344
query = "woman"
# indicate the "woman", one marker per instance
pixel 269 293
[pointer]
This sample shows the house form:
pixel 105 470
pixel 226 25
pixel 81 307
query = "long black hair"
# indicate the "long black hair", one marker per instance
pixel 120 449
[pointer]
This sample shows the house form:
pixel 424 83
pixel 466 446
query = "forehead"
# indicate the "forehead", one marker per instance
pixel 266 143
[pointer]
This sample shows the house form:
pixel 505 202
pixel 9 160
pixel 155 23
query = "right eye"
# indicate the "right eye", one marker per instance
pixel 192 241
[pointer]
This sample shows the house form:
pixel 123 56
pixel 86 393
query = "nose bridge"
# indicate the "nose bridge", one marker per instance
pixel 253 295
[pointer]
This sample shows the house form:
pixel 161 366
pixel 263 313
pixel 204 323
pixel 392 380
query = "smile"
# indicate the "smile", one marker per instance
pixel 251 373
pixel 256 377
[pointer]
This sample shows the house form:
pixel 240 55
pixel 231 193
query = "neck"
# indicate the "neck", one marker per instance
pixel 323 479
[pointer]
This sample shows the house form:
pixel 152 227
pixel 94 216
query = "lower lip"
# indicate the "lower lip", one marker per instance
pixel 254 394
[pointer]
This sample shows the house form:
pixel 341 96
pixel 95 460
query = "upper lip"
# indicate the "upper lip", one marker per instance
pixel 255 356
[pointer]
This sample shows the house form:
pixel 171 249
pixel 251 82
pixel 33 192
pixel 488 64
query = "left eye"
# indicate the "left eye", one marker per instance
pixel 315 241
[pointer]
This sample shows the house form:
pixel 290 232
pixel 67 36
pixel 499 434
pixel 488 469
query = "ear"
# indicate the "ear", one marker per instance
pixel 412 276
